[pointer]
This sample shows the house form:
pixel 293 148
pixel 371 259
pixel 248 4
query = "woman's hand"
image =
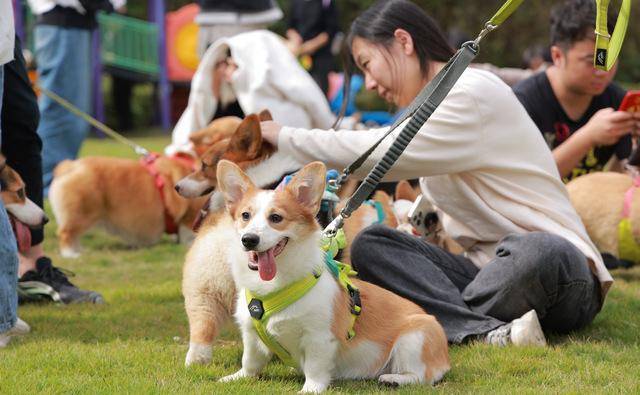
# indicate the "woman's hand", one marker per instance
pixel 270 132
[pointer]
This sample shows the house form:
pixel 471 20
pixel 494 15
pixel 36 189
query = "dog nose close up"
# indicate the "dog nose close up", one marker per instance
pixel 250 240
pixel 177 187
pixel 45 220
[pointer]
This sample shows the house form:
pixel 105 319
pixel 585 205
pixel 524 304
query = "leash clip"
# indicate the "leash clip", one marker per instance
pixel 140 150
pixel 488 28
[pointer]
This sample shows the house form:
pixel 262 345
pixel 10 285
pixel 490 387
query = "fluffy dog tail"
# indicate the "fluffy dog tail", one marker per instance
pixel 63 167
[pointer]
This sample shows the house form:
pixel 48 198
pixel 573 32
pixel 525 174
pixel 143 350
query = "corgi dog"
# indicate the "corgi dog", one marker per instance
pixel 404 197
pixel 273 243
pixel 134 200
pixel 219 129
pixel 414 210
pixel 207 286
pixel 23 213
pixel 14 197
pixel 244 146
pixel 600 199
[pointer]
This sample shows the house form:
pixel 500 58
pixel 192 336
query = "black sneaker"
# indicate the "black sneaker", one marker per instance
pixel 48 282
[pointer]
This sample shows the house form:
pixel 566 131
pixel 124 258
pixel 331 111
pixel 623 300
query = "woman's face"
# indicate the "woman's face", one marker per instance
pixel 393 72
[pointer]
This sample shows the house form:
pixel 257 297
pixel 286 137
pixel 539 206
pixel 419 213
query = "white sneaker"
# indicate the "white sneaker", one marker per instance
pixel 20 328
pixel 523 331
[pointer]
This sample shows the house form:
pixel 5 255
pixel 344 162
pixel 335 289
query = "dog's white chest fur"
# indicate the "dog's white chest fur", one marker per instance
pixel 309 317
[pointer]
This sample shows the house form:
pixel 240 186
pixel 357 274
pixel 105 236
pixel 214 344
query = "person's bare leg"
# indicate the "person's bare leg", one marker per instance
pixel 29 258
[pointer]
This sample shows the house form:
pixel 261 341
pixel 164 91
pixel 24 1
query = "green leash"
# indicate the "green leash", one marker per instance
pixel 608 46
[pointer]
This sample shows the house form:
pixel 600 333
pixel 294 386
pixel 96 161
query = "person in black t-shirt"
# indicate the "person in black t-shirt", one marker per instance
pixel 573 104
pixel 312 26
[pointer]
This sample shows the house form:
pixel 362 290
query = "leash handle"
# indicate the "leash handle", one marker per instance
pixel 608 46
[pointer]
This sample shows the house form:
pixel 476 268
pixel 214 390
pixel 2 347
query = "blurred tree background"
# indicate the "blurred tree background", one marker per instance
pixel 527 27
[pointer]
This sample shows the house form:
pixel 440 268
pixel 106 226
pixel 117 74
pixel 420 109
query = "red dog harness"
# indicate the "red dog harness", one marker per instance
pixel 148 161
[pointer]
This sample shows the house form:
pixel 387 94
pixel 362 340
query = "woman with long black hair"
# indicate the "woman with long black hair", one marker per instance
pixel 528 264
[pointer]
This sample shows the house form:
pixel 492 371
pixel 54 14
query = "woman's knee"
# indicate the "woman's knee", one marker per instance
pixel 365 245
pixel 542 254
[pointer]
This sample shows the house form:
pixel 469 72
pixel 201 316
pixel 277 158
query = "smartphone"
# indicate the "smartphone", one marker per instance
pixel 423 217
pixel 631 102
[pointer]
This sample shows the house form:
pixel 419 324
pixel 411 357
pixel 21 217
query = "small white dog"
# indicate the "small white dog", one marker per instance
pixel 277 246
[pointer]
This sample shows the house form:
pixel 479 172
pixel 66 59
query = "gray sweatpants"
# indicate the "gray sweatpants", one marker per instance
pixel 536 270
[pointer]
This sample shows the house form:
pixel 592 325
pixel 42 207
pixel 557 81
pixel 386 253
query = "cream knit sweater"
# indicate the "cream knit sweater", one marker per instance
pixel 480 159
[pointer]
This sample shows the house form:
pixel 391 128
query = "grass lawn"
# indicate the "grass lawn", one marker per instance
pixel 136 343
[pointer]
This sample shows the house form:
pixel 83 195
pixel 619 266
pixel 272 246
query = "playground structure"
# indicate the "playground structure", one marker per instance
pixel 147 51
pixel 138 49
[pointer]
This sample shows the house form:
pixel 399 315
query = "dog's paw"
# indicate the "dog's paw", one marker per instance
pixel 70 253
pixel 232 377
pixel 198 354
pixel 313 387
pixel 396 380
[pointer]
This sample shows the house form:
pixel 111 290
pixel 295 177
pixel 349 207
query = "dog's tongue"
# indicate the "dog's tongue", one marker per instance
pixel 266 265
pixel 22 233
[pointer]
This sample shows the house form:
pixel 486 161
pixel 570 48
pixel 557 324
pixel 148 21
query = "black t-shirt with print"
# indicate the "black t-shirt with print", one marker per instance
pixel 537 97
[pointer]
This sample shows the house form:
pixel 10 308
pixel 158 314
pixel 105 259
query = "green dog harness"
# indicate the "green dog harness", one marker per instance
pixel 262 308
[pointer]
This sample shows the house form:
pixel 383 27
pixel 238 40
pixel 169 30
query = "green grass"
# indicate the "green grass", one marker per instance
pixel 136 343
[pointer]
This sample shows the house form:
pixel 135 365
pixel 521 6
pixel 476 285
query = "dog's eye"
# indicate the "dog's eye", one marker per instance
pixel 275 218
pixel 246 216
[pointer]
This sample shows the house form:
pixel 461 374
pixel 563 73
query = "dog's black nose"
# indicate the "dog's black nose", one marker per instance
pixel 45 220
pixel 177 188
pixel 250 240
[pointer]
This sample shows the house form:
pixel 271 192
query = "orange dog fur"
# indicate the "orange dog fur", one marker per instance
pixel 598 199
pixel 219 129
pixel 14 197
pixel 122 195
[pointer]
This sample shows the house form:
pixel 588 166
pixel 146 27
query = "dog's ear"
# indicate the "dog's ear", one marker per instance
pixel 233 182
pixel 247 140
pixel 405 191
pixel 265 115
pixel 308 185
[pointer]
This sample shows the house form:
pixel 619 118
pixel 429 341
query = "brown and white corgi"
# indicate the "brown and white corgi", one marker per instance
pixel 14 197
pixel 134 200
pixel 207 286
pixel 599 200
pixel 273 242
pixel 219 129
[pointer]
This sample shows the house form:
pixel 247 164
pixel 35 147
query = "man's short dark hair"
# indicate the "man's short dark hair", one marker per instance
pixel 575 20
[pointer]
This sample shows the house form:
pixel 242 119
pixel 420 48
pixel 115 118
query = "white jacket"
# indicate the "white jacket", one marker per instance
pixel 480 159
pixel 7 32
pixel 268 77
